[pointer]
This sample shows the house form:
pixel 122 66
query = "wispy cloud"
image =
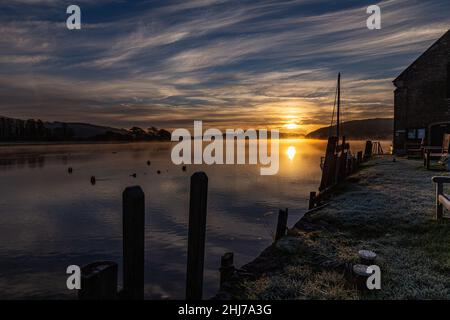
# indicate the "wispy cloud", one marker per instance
pixel 229 63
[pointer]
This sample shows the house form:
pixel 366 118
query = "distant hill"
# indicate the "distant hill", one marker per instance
pixel 38 130
pixel 380 129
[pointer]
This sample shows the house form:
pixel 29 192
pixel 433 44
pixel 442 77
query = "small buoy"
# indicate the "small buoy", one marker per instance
pixel 184 168
pixel 394 160
pixel 134 175
pixel 93 180
pixel 158 172
pixel 70 170
pixel 148 162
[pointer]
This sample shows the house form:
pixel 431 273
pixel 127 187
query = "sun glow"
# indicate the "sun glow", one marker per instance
pixel 291 126
pixel 291 151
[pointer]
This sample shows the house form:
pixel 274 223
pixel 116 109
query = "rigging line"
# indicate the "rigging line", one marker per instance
pixel 334 110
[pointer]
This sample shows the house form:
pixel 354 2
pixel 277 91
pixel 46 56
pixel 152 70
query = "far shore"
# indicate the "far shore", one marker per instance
pixel 82 142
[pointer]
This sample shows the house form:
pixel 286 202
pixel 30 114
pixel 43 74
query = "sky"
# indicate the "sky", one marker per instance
pixel 231 64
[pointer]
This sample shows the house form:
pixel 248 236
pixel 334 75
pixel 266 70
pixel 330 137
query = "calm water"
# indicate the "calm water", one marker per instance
pixel 50 219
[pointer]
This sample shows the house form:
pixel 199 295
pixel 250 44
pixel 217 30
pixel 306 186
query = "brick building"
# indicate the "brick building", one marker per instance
pixel 422 98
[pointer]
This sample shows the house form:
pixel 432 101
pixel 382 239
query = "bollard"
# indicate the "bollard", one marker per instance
pixel 367 257
pixel 282 224
pixel 196 236
pixel 133 243
pixel 98 281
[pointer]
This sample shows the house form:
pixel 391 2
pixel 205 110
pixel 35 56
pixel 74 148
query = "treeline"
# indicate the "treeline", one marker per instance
pixel 37 130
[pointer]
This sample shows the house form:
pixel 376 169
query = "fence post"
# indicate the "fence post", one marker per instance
pixel 282 224
pixel 98 281
pixel 196 236
pixel 312 200
pixel 226 267
pixel 133 243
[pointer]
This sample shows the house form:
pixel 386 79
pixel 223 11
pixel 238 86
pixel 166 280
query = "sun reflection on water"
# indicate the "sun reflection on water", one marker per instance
pixel 291 151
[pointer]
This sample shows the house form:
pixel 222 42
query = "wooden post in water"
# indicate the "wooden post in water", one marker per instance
pixel 312 200
pixel 196 236
pixel 282 224
pixel 133 243
pixel 98 281
pixel 226 267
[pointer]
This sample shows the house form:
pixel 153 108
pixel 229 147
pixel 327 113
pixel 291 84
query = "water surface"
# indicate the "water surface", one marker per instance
pixel 50 219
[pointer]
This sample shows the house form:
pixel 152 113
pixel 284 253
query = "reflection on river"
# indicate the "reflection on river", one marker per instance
pixel 50 219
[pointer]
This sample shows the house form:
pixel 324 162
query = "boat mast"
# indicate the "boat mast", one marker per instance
pixel 338 107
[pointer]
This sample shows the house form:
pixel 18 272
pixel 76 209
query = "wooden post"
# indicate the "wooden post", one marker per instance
pixel 196 236
pixel 439 206
pixel 328 171
pixel 98 281
pixel 368 150
pixel 226 267
pixel 133 243
pixel 312 200
pixel 282 224
pixel 360 157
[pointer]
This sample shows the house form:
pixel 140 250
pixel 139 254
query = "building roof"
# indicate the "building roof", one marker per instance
pixel 447 34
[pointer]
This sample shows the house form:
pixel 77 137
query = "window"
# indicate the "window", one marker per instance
pixel 412 134
pixel 421 134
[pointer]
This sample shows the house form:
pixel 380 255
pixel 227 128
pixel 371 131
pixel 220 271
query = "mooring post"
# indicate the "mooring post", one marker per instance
pixel 196 236
pixel 439 206
pixel 312 200
pixel 133 243
pixel 98 281
pixel 226 267
pixel 282 224
pixel 359 158
pixel 368 150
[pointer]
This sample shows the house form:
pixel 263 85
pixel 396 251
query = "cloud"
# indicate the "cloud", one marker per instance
pixel 229 63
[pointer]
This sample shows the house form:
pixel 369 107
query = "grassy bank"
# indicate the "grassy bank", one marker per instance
pixel 387 207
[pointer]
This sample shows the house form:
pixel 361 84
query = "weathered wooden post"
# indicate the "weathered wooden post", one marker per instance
pixel 282 224
pixel 133 243
pixel 359 158
pixel 226 267
pixel 329 165
pixel 439 181
pixel 312 200
pixel 196 236
pixel 98 281
pixel 368 151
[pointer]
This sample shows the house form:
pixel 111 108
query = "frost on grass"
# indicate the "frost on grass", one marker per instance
pixel 387 208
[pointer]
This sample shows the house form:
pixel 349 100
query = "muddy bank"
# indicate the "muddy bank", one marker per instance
pixel 387 207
